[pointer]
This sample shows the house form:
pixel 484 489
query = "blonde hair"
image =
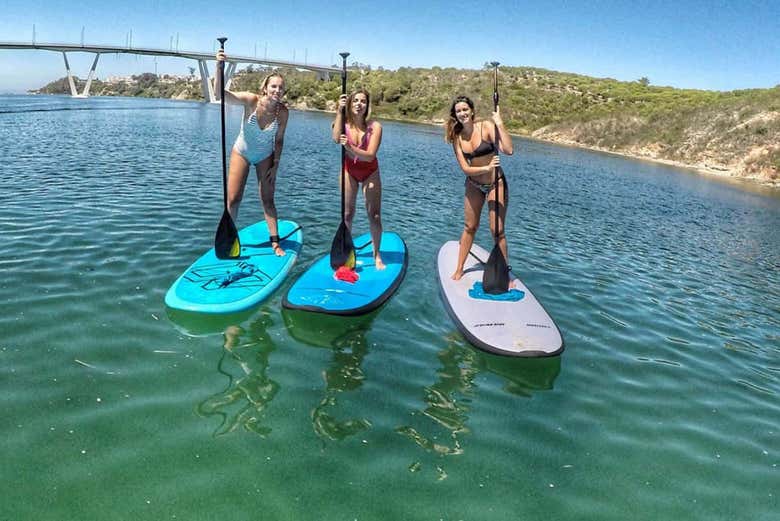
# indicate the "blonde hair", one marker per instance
pixel 264 84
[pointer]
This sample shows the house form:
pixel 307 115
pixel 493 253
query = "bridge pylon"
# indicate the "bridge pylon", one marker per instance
pixel 73 92
pixel 207 83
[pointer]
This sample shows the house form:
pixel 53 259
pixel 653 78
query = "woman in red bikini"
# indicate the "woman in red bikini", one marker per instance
pixel 476 148
pixel 361 141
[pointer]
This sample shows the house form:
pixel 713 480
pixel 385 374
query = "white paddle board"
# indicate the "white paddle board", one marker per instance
pixel 513 324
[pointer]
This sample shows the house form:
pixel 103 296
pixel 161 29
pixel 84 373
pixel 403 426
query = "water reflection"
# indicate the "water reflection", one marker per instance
pixel 449 399
pixel 346 338
pixel 521 376
pixel 204 324
pixel 243 401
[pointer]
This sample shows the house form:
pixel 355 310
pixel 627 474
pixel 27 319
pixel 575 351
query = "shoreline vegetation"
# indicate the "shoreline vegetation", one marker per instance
pixel 733 134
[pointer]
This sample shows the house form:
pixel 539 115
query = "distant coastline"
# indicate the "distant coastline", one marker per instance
pixel 718 172
pixel 704 169
pixel 723 134
pixel 707 170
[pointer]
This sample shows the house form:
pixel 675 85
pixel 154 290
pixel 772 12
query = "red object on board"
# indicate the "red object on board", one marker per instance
pixel 346 274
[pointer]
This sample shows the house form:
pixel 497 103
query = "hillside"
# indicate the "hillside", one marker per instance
pixel 145 85
pixel 733 133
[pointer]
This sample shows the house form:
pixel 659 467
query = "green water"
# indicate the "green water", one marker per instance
pixel 665 284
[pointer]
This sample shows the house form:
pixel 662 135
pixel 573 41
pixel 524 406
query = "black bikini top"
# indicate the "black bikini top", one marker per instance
pixel 485 148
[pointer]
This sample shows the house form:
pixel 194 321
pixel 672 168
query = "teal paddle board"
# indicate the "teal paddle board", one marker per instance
pixel 211 285
pixel 318 291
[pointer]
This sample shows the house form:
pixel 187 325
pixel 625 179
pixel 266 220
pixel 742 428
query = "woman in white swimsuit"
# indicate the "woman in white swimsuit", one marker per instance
pixel 259 143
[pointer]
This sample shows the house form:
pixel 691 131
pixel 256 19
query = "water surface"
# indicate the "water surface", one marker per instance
pixel 664 283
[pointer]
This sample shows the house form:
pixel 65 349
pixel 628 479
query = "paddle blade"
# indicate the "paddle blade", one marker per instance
pixel 342 251
pixel 226 244
pixel 495 279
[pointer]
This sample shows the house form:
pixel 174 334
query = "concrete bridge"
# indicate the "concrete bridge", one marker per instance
pixel 202 58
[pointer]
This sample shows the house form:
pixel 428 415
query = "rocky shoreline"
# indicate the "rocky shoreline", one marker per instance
pixel 708 169
pixel 727 135
pixel 711 169
pixel 737 172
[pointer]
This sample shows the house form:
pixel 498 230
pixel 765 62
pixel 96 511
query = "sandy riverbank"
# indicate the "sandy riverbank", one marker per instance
pixel 720 172
pixel 715 171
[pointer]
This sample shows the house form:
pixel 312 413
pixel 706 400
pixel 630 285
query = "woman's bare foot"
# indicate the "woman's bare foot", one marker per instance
pixel 378 262
pixel 278 249
pixel 457 275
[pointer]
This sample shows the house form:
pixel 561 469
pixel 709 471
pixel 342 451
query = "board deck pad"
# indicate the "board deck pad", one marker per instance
pixel 211 285
pixel 317 290
pixel 512 326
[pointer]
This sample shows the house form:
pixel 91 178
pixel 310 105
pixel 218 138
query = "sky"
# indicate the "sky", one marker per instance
pixel 707 44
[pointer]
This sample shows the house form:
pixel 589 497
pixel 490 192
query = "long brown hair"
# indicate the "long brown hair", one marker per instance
pixel 453 127
pixel 350 115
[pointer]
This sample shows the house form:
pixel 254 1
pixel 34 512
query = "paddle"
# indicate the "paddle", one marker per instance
pixel 495 279
pixel 226 243
pixel 342 250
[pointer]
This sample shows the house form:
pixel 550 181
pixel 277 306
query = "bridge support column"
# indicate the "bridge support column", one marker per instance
pixel 229 72
pixel 73 91
pixel 205 82
pixel 323 75
pixel 85 94
pixel 208 86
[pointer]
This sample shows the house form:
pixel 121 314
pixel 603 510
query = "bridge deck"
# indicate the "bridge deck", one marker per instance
pixel 115 49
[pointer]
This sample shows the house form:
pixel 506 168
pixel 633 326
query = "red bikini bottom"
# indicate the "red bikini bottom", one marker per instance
pixel 361 170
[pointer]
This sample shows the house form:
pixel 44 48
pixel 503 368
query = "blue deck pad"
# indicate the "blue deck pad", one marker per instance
pixel 212 285
pixel 478 292
pixel 317 290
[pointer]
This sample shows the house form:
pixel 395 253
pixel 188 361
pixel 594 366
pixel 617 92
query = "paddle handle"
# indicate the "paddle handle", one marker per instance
pixel 495 84
pixel 221 67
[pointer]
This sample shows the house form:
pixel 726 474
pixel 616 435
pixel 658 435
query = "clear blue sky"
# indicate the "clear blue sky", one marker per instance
pixel 720 45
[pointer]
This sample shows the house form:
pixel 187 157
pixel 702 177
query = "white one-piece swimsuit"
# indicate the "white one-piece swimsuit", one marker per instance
pixel 254 143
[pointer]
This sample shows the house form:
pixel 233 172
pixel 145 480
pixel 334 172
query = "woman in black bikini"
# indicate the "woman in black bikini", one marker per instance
pixel 474 144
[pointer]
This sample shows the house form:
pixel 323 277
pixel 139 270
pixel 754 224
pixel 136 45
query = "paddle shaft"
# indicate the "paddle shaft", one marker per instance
pixel 343 131
pixel 497 172
pixel 221 66
pixel 226 243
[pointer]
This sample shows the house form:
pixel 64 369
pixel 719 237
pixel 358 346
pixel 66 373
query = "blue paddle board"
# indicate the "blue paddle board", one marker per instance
pixel 317 290
pixel 211 285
